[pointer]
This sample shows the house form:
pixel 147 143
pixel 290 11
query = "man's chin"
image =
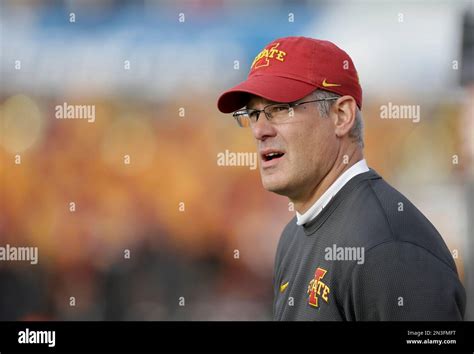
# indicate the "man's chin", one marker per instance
pixel 274 185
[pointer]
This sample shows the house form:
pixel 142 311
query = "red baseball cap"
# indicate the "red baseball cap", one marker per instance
pixel 290 68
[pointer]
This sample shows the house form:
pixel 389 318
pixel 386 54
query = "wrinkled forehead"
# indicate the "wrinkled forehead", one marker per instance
pixel 256 102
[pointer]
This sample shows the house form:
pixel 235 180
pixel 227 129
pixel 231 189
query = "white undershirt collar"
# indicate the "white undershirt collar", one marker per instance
pixel 318 206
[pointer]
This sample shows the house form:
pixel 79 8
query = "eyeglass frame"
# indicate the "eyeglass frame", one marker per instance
pixel 290 105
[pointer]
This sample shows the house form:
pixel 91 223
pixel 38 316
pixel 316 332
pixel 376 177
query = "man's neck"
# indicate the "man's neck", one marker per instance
pixel 339 167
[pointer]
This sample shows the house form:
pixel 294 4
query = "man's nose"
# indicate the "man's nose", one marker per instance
pixel 262 128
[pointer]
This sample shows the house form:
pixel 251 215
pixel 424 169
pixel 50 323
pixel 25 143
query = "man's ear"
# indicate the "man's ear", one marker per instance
pixel 344 113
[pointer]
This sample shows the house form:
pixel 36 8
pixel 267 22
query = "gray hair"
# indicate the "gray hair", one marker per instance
pixel 357 130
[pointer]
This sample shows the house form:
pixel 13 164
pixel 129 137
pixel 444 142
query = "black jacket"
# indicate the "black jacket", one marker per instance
pixel 369 255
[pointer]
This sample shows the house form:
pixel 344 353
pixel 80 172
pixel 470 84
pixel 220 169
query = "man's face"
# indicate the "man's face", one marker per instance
pixel 308 143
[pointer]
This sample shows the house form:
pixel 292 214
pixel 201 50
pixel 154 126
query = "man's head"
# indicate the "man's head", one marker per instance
pixel 302 101
pixel 298 147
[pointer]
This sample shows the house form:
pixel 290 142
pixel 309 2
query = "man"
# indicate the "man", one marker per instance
pixel 357 248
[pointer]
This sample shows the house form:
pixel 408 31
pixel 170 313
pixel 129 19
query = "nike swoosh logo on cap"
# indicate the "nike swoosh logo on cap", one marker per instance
pixel 327 84
pixel 284 286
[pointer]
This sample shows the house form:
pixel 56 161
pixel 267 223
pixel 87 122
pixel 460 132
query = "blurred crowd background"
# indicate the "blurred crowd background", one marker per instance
pixel 172 235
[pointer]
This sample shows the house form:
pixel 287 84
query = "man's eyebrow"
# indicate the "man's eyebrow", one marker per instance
pixel 265 103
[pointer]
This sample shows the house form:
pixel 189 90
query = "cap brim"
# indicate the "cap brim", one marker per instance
pixel 272 88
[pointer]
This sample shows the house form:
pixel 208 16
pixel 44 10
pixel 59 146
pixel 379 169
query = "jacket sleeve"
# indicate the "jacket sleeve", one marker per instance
pixel 400 281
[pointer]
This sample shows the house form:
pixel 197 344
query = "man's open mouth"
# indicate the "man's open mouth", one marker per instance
pixel 268 156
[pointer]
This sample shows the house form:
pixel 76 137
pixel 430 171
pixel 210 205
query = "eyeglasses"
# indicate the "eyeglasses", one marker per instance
pixel 275 112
